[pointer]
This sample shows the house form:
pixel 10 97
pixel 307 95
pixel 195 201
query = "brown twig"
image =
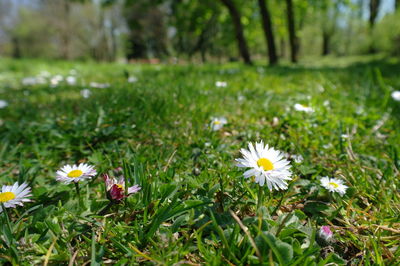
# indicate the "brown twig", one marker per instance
pixel 246 231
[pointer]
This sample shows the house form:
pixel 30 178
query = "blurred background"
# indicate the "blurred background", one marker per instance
pixel 172 31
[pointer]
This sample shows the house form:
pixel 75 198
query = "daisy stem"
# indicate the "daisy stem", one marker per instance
pixel 105 209
pixel 79 194
pixel 260 197
pixel 8 222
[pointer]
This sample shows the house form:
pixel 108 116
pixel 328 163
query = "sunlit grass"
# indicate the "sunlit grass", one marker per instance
pixel 158 130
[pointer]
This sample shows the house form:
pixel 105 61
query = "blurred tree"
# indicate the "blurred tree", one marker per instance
pixel 193 27
pixel 147 35
pixel 373 11
pixel 65 34
pixel 206 29
pixel 241 41
pixel 386 34
pixel 293 40
pixel 329 11
pixel 268 32
pixel 7 22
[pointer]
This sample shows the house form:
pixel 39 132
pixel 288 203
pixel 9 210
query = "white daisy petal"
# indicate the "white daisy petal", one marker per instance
pixel 75 173
pixel 217 123
pixel 333 185
pixel 267 165
pixel 303 108
pixel 11 196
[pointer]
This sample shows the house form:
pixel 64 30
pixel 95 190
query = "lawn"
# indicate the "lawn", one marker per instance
pixel 151 124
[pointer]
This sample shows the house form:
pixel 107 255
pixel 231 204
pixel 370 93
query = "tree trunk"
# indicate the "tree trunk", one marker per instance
pixel 269 34
pixel 16 51
pixel 203 40
pixel 65 35
pixel 136 48
pixel 292 32
pixel 113 51
pixel 242 44
pixel 373 11
pixel 325 43
pixel 282 47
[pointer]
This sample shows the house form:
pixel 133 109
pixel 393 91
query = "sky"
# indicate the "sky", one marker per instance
pixel 387 6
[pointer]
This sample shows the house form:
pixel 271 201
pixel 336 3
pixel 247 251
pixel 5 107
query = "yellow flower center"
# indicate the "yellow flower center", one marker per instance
pixel 6 196
pixel 75 173
pixel 265 163
pixel 119 186
pixel 217 122
pixel 333 184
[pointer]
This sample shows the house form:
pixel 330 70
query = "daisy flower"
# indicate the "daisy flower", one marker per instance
pixel 275 121
pixel 217 123
pixel 267 166
pixel 132 79
pixel 3 104
pixel 11 196
pixel 221 84
pixel 116 188
pixel 325 233
pixel 303 108
pixel 55 80
pixel 334 185
pixel 68 173
pixel 44 74
pixel 86 93
pixel 28 81
pixel 324 236
pixel 71 80
pixel 297 158
pixel 99 85
pixel 396 95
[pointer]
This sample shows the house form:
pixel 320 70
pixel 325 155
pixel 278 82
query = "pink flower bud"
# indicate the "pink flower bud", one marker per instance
pixel 325 233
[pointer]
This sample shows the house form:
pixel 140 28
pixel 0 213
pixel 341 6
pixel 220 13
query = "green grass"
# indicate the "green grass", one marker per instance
pixel 157 129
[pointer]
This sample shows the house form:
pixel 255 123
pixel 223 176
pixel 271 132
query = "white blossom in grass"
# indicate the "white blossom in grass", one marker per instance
pixel 396 95
pixel 55 80
pixel 275 121
pixel 267 166
pixel 221 84
pixel 44 74
pixel 28 81
pixel 86 93
pixel 71 80
pixel 297 158
pixel 217 123
pixel 241 98
pixel 99 85
pixel 74 173
pixel 303 108
pixel 11 196
pixel 334 185
pixel 132 79
pixel 325 234
pixel 3 104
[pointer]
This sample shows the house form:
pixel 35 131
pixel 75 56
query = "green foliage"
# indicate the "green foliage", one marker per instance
pixel 386 35
pixel 195 206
